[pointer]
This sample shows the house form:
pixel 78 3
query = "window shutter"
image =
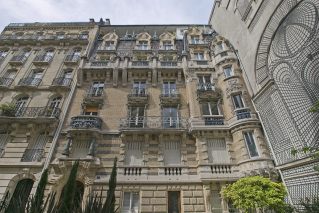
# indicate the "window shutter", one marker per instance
pixel 172 153
pixel 91 109
pixel 217 151
pixel 134 153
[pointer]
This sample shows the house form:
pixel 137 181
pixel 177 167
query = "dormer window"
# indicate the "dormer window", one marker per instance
pixel 199 56
pixel 167 46
pixel 220 47
pixel 195 40
pixel 142 46
pixel 109 46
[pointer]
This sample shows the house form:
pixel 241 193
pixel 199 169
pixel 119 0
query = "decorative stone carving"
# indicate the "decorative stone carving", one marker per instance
pixel 234 87
pixel 261 167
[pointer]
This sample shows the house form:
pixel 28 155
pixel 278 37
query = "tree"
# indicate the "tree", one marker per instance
pixel 66 205
pixel 112 186
pixel 256 192
pixel 37 203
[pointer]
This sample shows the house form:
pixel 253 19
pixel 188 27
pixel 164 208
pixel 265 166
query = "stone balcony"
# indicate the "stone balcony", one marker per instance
pixel 82 124
pixel 170 98
pixel 30 82
pixel 207 92
pixel 218 171
pixel 138 97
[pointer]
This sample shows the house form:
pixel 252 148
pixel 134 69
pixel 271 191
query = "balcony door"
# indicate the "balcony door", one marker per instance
pixel 20 104
pixel 65 80
pixel 204 82
pixel 137 117
pixel 134 153
pixel 21 192
pixel 170 117
pixel 169 89
pixel 217 151
pixel 97 89
pixel 24 54
pixel 75 55
pixel 35 77
pixel 54 106
pixel 47 56
pixel 139 89
pixel 174 202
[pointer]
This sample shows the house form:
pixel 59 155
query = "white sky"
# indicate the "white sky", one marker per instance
pixel 118 11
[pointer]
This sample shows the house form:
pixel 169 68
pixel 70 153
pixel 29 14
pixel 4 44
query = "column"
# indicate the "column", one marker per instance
pixel 67 147
pixel 91 151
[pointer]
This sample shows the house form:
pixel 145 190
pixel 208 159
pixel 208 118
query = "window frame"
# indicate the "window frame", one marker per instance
pixel 241 98
pixel 131 201
pixel 231 73
pixel 254 142
pixel 198 56
pixel 210 109
pixel 220 47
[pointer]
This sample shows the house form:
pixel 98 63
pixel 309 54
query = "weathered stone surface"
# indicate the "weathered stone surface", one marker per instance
pixel 145 201
pixel 147 194
pixel 148 188
pixel 200 200
pixel 193 201
pixel 199 187
pixel 161 188
pixel 184 187
pixel 160 208
pixel 188 208
pixel 192 187
pixel 186 201
pixel 118 193
pixel 198 193
pixel 160 194
pixel 187 194
pixel 146 208
pixel 199 208
pixel 160 201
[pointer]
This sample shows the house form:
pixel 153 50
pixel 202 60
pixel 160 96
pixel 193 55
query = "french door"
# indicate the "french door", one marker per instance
pixel 205 82
pixel 137 117
pixel 169 89
pixel 170 117
pixel 174 202
pixel 139 89
pixel 20 104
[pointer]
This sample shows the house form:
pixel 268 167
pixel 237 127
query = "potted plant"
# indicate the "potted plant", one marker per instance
pixel 48 112
pixel 8 109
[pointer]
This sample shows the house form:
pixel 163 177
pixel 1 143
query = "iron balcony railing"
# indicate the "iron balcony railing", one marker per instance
pixel 29 81
pixel 138 92
pixel 169 64
pixel 99 63
pixel 198 41
pixel 170 93
pixel 32 112
pixel 72 58
pixel 206 87
pixel 153 122
pixel 1 152
pixel 214 121
pixel 93 92
pixel 140 63
pixel 42 58
pixel 44 37
pixel 18 58
pixel 85 122
pixel 202 62
pixel 61 81
pixel 6 81
pixel 241 114
pixel 32 155
pixel 106 47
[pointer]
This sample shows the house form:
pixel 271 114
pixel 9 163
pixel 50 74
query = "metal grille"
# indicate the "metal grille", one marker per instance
pixel 303 169
pixel 4 138
pixel 32 155
pixel 241 114
pixel 5 81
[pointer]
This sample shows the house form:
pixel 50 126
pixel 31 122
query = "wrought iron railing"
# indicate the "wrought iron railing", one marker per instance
pixel 4 202
pixel 32 112
pixel 85 122
pixel 106 48
pixel 170 93
pixel 6 81
pixel 173 171
pixel 72 58
pixel 18 58
pixel 206 86
pixel 99 63
pixel 1 152
pixel 241 114
pixel 29 81
pixel 153 122
pixel 138 92
pixel 43 37
pixel 61 81
pixel 42 58
pixel 198 41
pixel 214 121
pixel 93 92
pixel 169 64
pixel 221 169
pixel 202 62
pixel 140 63
pixel 32 155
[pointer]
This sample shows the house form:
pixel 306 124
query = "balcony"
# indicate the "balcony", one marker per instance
pixel 198 42
pixel 85 124
pixel 138 97
pixel 242 114
pixel 42 60
pixel 18 60
pixel 207 92
pixel 5 82
pixel 153 123
pixel 110 48
pixel 202 62
pixel 61 82
pixel 210 121
pixel 222 171
pixel 99 63
pixel 32 155
pixel 28 37
pixel 140 63
pixel 169 64
pixel 169 98
pixel 71 59
pixel 29 82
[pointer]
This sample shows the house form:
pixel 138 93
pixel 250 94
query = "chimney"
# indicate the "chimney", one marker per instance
pixel 91 20
pixel 107 21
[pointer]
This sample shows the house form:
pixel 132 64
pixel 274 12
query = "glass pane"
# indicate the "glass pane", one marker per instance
pixel 136 84
pixel 207 79
pixel 214 108
pixel 205 109
pixel 135 201
pixel 140 111
pixel 172 85
pixel 228 71
pixel 201 56
pixel 11 74
pixel 126 201
pixel 173 203
pixel 201 79
pixel 173 112
pixel 238 101
pixel 251 144
pixel 196 56
pixel 134 111
pixel 220 47
pixel 165 112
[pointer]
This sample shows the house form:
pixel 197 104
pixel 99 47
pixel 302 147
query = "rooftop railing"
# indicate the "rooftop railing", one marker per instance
pixel 85 122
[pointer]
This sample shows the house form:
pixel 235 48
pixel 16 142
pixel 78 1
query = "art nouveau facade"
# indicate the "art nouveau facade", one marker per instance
pixel 277 42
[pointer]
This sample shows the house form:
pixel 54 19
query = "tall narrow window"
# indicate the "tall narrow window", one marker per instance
pixel 109 46
pixel 172 153
pixel 137 117
pixel 47 56
pixel 205 82
pixel 210 108
pixel 167 46
pixel 139 89
pixel 36 152
pixel 217 151
pixel 251 145
pixel 24 55
pixel 3 54
pixel 228 72
pixel 65 79
pixel 20 104
pixel 21 192
pixel 35 78
pixel 199 56
pixel 91 110
pixel 53 108
pixel 134 153
pixel 169 89
pixel 220 47
pixel 80 149
pixel 4 138
pixel 170 117
pixel 97 89
pixel 130 202
pixel 75 55
pixel 216 202
pixel 142 45
pixel 195 40
pixel 238 101
pixel 174 202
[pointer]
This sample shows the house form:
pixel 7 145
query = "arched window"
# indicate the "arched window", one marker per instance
pixel 21 193
pixel 53 109
pixel 77 196
pixel 36 152
pixel 20 104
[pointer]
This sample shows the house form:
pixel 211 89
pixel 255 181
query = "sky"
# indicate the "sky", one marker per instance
pixel 120 12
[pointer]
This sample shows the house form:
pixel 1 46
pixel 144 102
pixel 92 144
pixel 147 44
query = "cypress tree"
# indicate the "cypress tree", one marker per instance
pixel 39 193
pixel 66 205
pixel 112 186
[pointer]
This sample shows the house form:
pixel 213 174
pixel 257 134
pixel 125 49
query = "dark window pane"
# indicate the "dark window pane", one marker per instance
pixel 214 108
pixel 251 144
pixel 205 109
pixel 238 101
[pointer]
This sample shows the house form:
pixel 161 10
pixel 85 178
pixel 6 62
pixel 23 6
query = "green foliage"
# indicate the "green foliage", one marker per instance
pixel 112 186
pixel 8 108
pixel 36 205
pixel 310 205
pixel 315 108
pixel 69 190
pixel 256 192
pixel 288 208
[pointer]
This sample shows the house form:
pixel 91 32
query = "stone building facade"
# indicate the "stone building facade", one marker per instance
pixel 277 44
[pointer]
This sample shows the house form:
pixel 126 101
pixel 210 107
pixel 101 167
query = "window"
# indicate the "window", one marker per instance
pixel 169 89
pixel 142 46
pixel 47 56
pixel 238 102
pixel 75 55
pixel 60 35
pixel 66 78
pixel 210 108
pixel 134 153
pixel 24 55
pixel 217 151
pixel 11 74
pixel 170 117
pixel 37 36
pixel 228 72
pixel 109 46
pixel 174 202
pixel 35 153
pixel 137 117
pixel 84 36
pixel 251 145
pixel 195 40
pixel 139 89
pixel 18 35
pixel 3 54
pixel 199 56
pixel 130 202
pixel 216 202
pixel 4 138
pixel 220 47
pixel 91 110
pixel 167 46
pixel 172 153
pixel 97 89
pixel 205 82
pixel 35 77
pixel 21 192
pixel 20 103
pixel 54 106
